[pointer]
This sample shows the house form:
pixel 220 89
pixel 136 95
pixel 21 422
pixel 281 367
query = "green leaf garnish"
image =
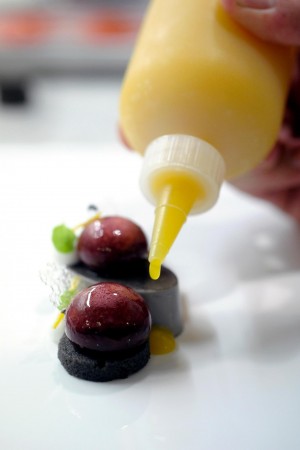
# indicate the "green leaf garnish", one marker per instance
pixel 63 239
pixel 65 299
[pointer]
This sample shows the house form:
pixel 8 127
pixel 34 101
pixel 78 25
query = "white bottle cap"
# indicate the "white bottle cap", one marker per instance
pixel 186 155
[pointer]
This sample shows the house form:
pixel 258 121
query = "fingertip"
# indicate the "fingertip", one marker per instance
pixel 228 4
pixel 273 21
pixel 123 138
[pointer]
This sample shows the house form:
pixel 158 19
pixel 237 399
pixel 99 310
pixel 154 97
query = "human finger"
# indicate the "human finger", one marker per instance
pixel 272 20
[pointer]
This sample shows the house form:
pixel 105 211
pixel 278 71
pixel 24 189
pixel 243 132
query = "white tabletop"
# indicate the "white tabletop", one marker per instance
pixel 232 384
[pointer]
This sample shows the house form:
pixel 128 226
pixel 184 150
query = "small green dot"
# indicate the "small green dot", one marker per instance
pixel 63 239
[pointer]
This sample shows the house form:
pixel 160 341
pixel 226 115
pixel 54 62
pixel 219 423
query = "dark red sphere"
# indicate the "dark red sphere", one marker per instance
pixel 111 242
pixel 108 317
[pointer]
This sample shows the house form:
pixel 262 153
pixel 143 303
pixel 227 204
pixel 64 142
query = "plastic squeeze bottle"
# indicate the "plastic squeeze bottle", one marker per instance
pixel 202 100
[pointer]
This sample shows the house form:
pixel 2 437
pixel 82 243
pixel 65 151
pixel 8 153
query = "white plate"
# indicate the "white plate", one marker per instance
pixel 233 382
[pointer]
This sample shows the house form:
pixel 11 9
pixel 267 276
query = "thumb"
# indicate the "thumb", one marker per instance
pixel 272 20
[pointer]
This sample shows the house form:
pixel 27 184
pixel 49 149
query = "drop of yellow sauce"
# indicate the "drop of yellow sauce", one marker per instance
pixel 154 269
pixel 162 341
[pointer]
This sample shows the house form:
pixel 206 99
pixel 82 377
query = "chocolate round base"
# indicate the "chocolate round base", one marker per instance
pixel 92 366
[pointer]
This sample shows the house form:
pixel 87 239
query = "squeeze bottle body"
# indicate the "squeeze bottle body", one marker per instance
pixel 198 81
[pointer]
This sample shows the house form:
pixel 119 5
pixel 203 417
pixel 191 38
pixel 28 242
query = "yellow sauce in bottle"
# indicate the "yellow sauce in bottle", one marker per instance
pixel 196 73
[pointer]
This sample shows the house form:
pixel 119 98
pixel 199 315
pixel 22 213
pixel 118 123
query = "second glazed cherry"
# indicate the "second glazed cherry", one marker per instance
pixel 111 242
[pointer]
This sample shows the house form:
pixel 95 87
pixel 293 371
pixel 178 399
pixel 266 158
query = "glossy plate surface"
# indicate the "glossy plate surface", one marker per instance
pixel 233 382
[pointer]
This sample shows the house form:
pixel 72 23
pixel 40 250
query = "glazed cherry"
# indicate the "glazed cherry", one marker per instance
pixel 111 242
pixel 108 317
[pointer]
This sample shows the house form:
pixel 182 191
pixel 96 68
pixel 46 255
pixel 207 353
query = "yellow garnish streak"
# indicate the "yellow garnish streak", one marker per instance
pixel 74 283
pixel 84 224
pixel 60 317
pixel 162 341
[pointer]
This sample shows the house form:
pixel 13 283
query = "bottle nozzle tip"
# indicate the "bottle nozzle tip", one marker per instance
pixel 154 269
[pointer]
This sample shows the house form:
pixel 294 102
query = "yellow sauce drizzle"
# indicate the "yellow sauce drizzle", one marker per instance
pixel 74 285
pixel 162 341
pixel 59 318
pixel 87 222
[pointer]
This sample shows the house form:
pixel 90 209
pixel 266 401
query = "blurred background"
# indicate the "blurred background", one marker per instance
pixel 61 67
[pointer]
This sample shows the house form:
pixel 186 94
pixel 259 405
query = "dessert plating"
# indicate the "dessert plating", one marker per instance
pixel 107 333
pixel 106 283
